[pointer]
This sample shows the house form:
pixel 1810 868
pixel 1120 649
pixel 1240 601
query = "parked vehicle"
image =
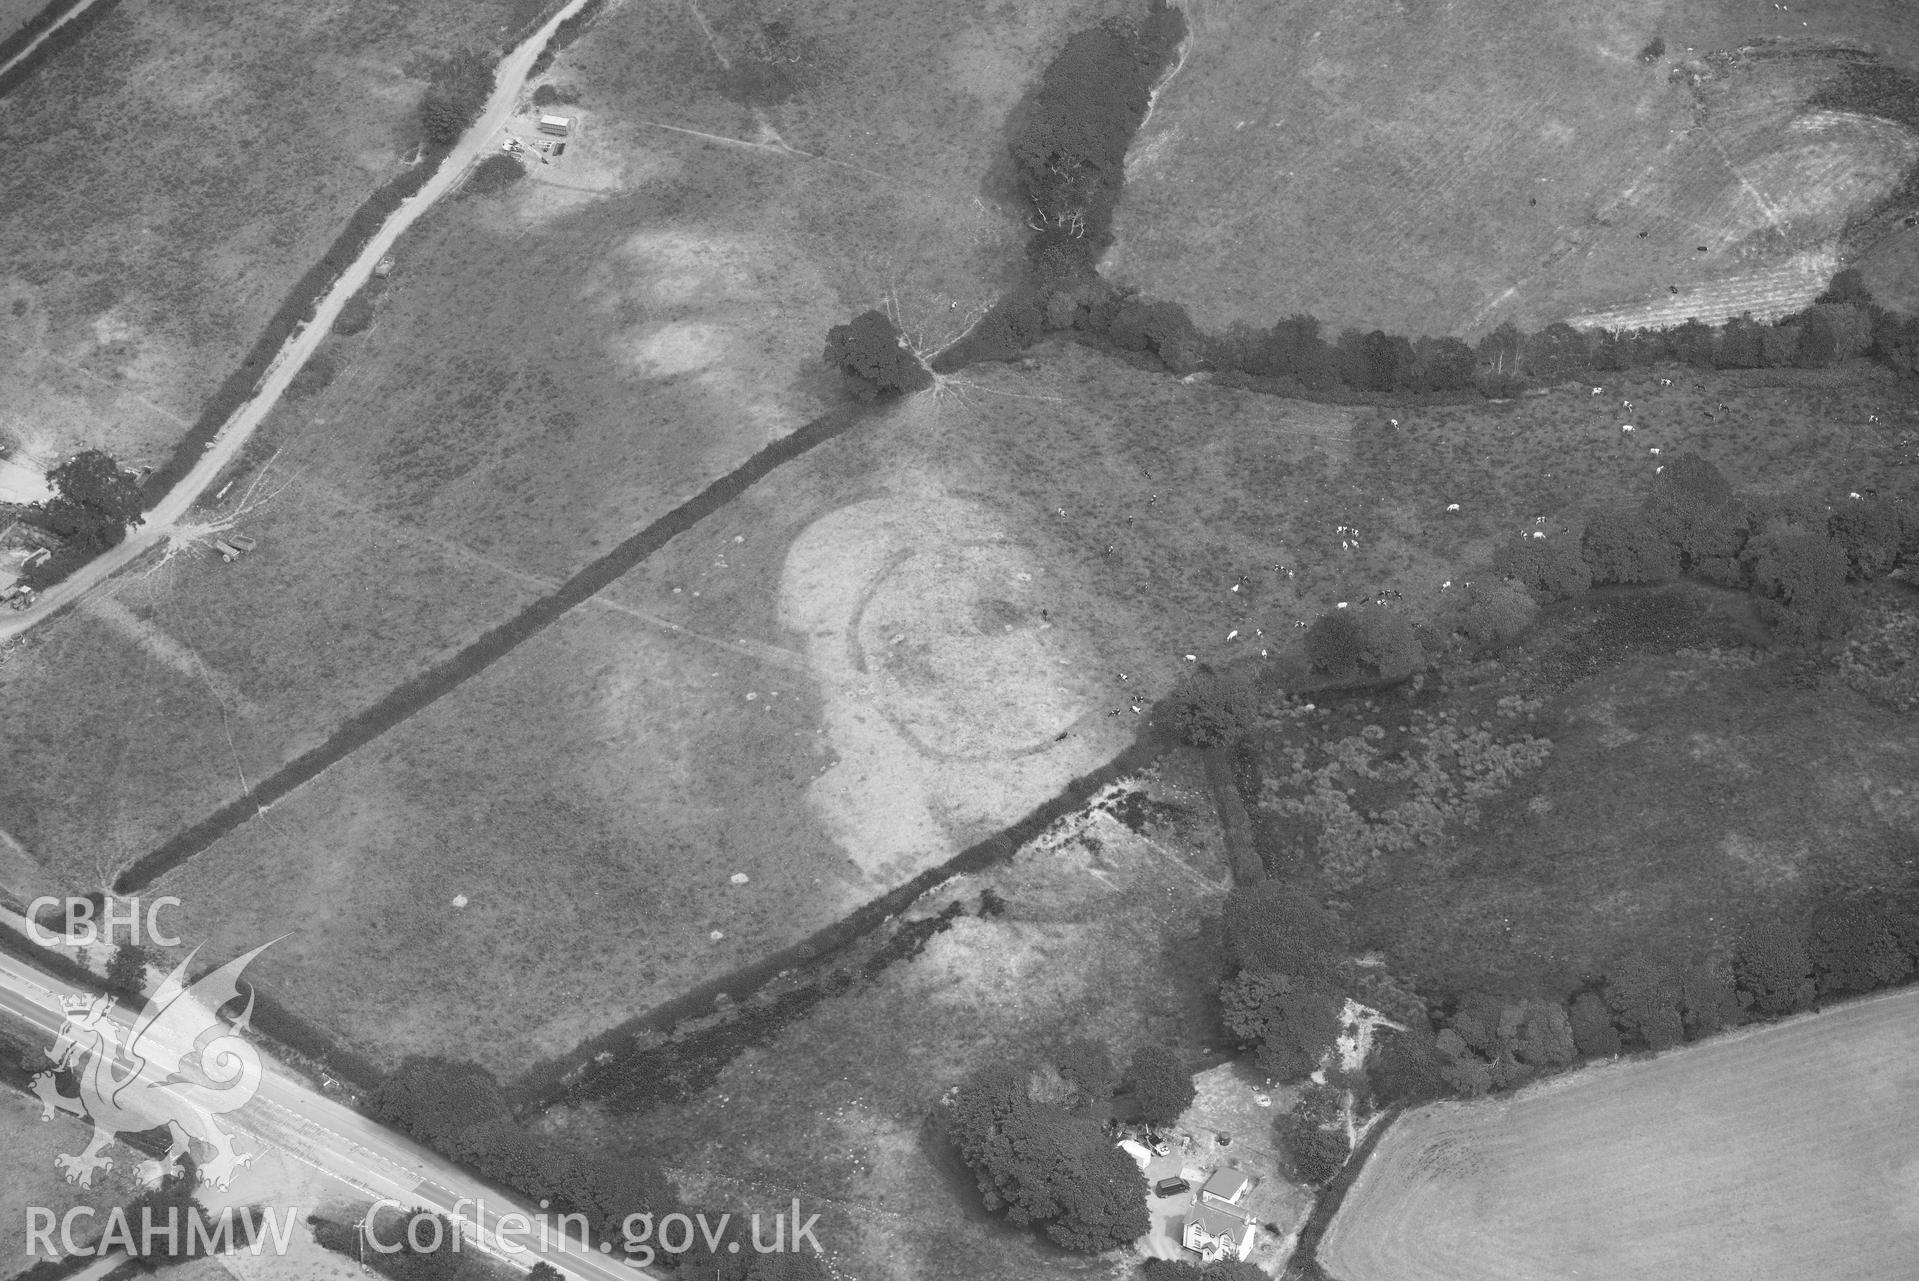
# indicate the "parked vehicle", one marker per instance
pixel 1172 1186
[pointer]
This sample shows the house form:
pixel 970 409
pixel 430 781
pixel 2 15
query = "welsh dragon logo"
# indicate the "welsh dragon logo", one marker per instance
pixel 181 1066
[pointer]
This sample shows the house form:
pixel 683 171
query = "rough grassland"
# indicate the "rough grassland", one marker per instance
pixel 1376 164
pixel 171 175
pixel 15 12
pixel 1686 796
pixel 550 369
pixel 835 1109
pixel 1782 1152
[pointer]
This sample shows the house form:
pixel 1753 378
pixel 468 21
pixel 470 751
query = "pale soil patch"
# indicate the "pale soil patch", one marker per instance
pixel 1379 166
pixel 1786 1152
pixel 945 686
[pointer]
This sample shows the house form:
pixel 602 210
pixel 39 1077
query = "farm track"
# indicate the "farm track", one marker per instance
pixel 421 692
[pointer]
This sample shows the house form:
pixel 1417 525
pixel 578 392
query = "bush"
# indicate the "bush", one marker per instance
pixel 1800 577
pixel 1772 971
pixel 1621 546
pixel 493 175
pixel 1317 1152
pixel 548 95
pixel 355 316
pixel 1161 1086
pixel 1288 1024
pixel 1874 534
pixel 1490 614
pixel 1551 568
pixel 1210 710
pixel 455 96
pixel 1593 1030
pixel 1367 640
pixel 1693 508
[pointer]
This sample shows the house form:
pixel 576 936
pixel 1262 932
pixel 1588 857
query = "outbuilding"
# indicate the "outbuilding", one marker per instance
pixel 560 125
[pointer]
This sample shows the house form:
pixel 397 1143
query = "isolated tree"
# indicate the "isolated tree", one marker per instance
pixel 1655 50
pixel 874 356
pixel 1161 1086
pixel 1772 970
pixel 1277 928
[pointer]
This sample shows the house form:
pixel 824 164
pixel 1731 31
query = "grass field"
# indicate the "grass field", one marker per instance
pixel 1782 1152
pixel 174 173
pixel 1430 174
pixel 1890 269
pixel 1102 937
pixel 28 1176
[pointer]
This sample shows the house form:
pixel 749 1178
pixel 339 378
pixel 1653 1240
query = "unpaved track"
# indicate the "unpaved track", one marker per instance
pixel 510 78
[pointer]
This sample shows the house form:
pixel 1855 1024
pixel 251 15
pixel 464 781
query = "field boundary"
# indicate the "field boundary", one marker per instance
pixel 582 1076
pixel 1304 1265
pixel 61 32
pixel 427 688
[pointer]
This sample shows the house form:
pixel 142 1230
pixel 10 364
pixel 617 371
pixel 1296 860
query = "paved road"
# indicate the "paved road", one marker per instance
pixel 288 1114
pixel 166 515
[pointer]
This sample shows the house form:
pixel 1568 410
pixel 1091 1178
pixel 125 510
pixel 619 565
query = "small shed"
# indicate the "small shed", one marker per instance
pixel 559 125
pixel 1227 1185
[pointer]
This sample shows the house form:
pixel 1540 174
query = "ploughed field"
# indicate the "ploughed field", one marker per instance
pixel 1786 1152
